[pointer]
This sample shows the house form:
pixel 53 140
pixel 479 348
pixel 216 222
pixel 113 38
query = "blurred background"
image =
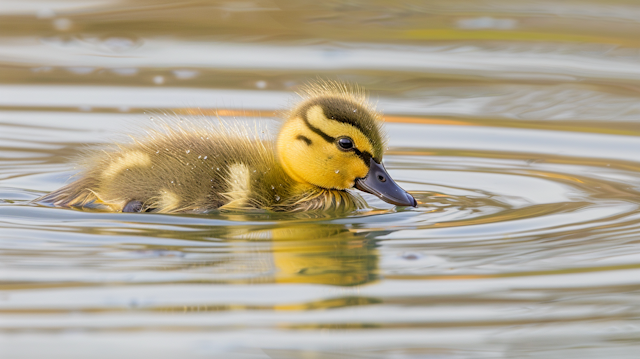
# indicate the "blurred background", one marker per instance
pixel 514 123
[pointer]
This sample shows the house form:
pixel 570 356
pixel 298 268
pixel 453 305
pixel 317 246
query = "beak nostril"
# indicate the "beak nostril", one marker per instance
pixel 379 183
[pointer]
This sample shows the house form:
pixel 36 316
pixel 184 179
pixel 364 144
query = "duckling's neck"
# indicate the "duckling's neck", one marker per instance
pixel 307 197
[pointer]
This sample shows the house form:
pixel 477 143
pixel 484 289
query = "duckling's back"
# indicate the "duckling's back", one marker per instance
pixel 181 168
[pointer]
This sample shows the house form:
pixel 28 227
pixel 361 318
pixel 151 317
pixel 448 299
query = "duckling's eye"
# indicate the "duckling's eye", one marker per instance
pixel 345 143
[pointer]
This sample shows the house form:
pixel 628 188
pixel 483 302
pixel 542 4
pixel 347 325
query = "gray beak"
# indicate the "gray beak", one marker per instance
pixel 379 183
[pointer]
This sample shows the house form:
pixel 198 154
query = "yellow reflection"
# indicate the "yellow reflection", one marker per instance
pixel 315 253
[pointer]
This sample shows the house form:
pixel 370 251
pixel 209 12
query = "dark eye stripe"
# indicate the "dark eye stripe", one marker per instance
pixel 317 130
pixel 364 155
pixel 305 139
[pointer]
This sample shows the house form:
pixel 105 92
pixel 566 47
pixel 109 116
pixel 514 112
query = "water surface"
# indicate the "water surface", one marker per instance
pixel 515 126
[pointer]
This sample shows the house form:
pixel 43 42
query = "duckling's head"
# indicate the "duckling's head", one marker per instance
pixel 333 140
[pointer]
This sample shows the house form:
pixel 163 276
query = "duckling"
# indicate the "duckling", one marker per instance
pixel 330 142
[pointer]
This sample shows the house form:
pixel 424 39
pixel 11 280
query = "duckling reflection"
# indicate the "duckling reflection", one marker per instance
pixel 330 143
pixel 314 253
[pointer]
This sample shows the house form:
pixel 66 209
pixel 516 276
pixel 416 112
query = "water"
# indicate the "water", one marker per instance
pixel 514 124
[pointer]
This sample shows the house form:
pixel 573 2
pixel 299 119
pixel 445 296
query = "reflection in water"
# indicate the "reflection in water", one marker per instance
pixel 318 254
pixel 298 251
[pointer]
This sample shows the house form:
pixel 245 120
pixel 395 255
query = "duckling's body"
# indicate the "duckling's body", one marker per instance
pixel 329 142
pixel 195 171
